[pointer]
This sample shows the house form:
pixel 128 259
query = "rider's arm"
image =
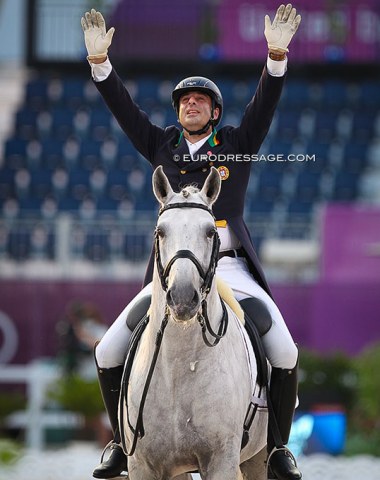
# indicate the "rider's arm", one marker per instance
pixel 259 112
pixel 144 135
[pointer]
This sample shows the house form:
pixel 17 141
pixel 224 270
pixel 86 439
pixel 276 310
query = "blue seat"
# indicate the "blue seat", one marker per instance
pixel 100 124
pixel 68 204
pixel 363 126
pixel 127 157
pixel 79 187
pixel 370 95
pixel 345 186
pixel 52 152
pixel 231 116
pixel 116 191
pixel 355 157
pixel 259 208
pixel 146 202
pixel 226 86
pixel 26 119
pixel 73 92
pixel 96 248
pixel 6 183
pixel 270 184
pixel 300 211
pixel 62 122
pixel 287 124
pixel 106 204
pixel 325 125
pixel 148 89
pixel 19 244
pixel 36 91
pixel 98 182
pixel 30 205
pixel 334 94
pixel 41 242
pixel 296 94
pixel 117 177
pixel 15 153
pixel 41 185
pixel 244 90
pixel 137 247
pixel 90 154
pixel 100 117
pixel 307 186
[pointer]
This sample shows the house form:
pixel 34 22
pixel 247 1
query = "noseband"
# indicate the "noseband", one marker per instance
pixel 207 275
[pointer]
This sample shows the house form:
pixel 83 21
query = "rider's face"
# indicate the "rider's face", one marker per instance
pixel 195 110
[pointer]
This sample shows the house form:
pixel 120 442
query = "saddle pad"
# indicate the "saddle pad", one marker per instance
pixel 227 295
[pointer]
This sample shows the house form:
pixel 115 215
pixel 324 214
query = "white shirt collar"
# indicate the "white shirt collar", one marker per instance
pixel 194 147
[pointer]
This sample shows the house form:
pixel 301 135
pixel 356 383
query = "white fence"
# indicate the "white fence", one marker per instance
pixel 37 376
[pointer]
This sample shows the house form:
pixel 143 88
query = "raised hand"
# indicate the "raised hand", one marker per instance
pixel 284 26
pixel 96 38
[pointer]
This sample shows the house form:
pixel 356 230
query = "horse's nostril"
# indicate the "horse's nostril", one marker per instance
pixel 195 298
pixel 169 298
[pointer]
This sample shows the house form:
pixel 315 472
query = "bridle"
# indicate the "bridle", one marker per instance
pixel 202 317
pixel 207 276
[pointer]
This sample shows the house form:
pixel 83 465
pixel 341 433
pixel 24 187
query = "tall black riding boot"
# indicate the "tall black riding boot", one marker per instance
pixel 283 395
pixel 110 384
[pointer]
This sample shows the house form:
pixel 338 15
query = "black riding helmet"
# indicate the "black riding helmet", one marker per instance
pixel 204 85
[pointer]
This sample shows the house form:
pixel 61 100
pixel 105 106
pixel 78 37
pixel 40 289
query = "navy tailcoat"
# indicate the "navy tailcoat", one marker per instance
pixel 167 147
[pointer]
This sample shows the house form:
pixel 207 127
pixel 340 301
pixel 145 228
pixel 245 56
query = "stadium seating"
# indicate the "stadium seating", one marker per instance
pixel 67 154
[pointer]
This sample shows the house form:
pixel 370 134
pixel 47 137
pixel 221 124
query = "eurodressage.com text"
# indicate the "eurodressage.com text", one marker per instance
pixel 222 158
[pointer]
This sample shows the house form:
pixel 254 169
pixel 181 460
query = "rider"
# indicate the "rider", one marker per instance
pixel 187 156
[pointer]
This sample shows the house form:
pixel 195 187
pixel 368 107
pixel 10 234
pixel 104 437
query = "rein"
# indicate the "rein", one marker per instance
pixel 202 317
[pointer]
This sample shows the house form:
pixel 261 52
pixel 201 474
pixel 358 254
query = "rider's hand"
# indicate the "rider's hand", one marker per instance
pixel 284 26
pixel 95 36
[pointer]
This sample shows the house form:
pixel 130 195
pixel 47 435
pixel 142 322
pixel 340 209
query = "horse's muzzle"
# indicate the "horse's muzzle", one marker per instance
pixel 184 302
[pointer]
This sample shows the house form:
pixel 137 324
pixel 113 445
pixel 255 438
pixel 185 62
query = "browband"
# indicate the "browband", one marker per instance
pixel 187 205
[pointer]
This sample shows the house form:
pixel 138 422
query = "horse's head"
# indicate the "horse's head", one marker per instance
pixel 187 242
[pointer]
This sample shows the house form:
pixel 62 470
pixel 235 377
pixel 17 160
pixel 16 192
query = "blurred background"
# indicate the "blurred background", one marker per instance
pixel 77 212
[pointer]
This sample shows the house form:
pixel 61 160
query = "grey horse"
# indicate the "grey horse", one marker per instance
pixel 192 378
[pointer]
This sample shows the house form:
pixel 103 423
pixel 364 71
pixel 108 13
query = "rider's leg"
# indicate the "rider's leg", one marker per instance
pixel 110 383
pixel 109 356
pixel 282 354
pixel 283 394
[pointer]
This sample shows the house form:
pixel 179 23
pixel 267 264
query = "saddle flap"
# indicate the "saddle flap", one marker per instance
pixel 137 312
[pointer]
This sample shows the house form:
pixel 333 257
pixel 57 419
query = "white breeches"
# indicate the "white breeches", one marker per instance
pixel 278 343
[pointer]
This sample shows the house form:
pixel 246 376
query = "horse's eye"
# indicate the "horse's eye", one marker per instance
pixel 211 232
pixel 160 232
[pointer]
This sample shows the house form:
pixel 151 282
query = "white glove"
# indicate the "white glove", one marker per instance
pixel 96 38
pixel 284 26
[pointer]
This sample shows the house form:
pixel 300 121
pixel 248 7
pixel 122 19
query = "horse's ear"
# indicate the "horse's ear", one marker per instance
pixel 161 186
pixel 211 187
